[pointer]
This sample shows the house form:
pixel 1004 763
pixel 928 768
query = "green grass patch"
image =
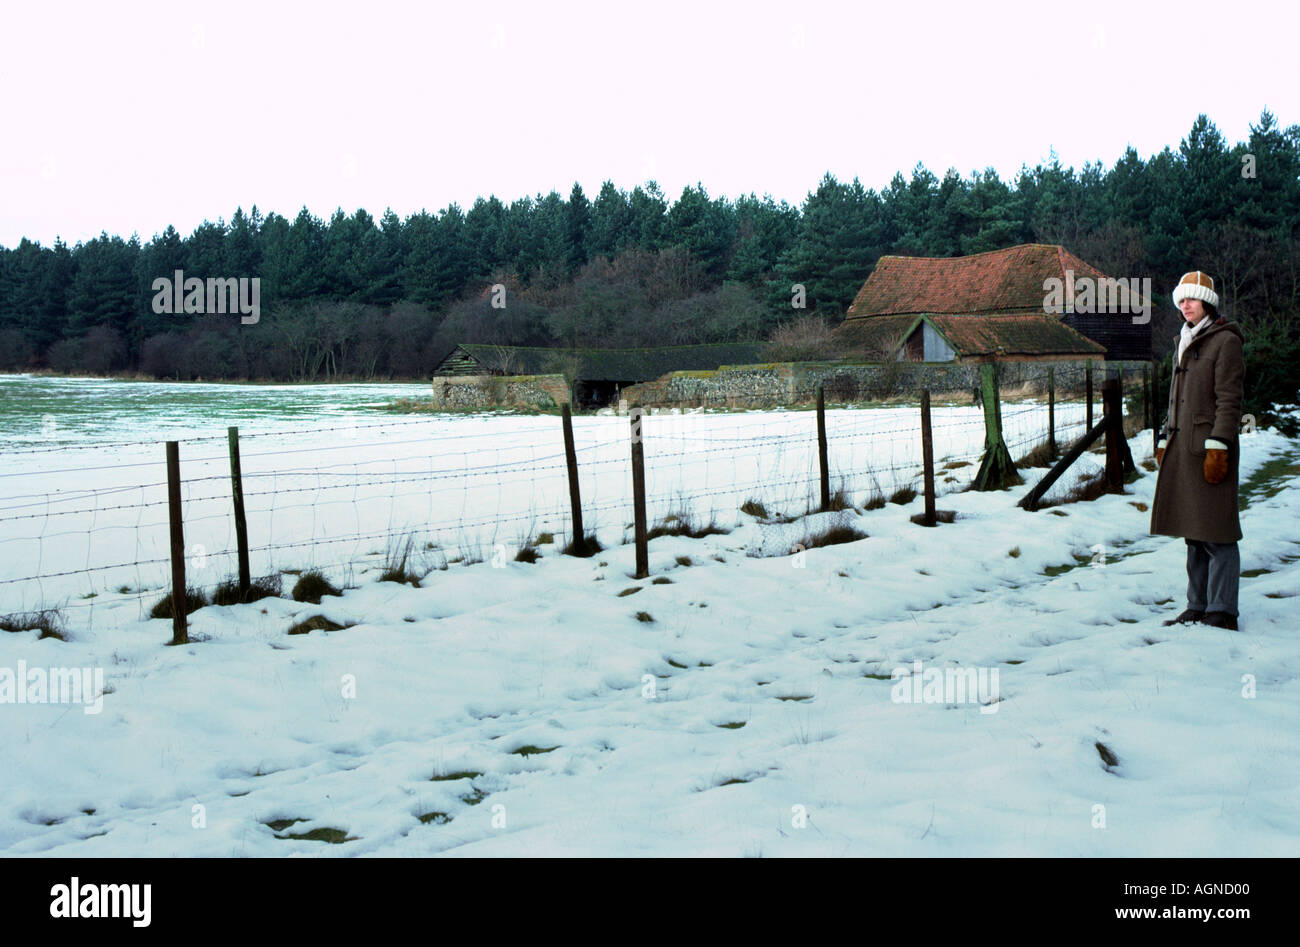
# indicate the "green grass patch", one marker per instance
pixel 735 725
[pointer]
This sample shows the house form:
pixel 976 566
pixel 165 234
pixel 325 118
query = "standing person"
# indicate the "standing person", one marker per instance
pixel 1197 454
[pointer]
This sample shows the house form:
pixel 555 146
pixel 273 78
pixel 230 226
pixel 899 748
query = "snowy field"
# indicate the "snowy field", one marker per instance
pixel 330 483
pixel 729 705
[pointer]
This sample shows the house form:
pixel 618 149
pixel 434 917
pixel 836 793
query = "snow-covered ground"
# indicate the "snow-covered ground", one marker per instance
pixel 83 504
pixel 728 705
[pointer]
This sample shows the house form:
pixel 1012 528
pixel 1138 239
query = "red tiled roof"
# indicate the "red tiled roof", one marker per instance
pixel 1009 280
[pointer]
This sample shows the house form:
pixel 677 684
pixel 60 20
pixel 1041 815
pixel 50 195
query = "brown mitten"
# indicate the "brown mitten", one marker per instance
pixel 1160 456
pixel 1216 465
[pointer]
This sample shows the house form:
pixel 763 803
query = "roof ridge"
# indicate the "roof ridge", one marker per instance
pixel 968 256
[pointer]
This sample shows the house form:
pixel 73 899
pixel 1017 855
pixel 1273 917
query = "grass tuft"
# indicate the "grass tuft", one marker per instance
pixel 195 598
pixel 526 554
pixel 312 586
pixel 754 508
pixel 48 621
pixel 316 623
pixel 644 617
pixel 583 548
pixel 1040 456
pixel 267 586
pixel 682 524
pixel 903 495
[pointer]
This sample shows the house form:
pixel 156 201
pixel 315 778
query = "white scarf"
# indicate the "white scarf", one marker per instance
pixel 1190 332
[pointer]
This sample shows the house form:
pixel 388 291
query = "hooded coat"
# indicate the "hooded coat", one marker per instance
pixel 1204 403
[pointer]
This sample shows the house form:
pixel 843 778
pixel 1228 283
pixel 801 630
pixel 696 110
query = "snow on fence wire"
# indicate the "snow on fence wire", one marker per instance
pixel 446 496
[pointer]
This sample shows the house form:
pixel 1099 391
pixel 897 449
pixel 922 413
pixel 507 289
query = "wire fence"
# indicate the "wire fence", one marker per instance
pixel 348 500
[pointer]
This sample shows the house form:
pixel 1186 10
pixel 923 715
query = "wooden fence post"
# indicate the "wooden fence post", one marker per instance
pixel 1051 410
pixel 638 496
pixel 575 498
pixel 1110 407
pixel 1088 393
pixel 821 448
pixel 996 469
pixel 241 524
pixel 179 600
pixel 927 456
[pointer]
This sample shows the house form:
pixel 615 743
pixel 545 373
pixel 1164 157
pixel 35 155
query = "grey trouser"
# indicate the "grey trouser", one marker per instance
pixel 1213 573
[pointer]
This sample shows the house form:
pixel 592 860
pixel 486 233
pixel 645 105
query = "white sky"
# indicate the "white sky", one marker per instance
pixel 129 117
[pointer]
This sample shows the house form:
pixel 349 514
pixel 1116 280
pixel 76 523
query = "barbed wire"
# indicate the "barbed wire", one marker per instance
pixel 865 447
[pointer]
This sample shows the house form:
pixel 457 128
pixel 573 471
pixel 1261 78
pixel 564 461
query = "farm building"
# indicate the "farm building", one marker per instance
pixel 994 306
pixel 597 375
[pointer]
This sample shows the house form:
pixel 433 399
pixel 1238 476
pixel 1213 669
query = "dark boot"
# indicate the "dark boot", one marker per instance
pixel 1221 620
pixel 1191 615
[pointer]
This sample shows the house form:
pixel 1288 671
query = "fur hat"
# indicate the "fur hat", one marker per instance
pixel 1196 285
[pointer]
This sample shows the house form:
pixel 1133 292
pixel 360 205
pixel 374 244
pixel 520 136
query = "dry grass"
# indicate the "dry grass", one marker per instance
pixel 903 495
pixel 312 586
pixel 227 593
pixel 48 621
pixel 195 598
pixel 1040 456
pixel 583 548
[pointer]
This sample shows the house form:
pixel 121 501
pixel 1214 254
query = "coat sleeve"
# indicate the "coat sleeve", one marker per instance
pixel 1228 372
pixel 1169 406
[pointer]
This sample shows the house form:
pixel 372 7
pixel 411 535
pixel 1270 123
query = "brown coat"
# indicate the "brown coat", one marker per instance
pixel 1204 402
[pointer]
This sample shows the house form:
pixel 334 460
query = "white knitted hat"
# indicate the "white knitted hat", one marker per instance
pixel 1196 285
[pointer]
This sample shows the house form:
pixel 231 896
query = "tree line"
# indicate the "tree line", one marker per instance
pixel 359 298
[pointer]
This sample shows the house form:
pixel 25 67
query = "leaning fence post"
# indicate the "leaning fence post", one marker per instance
pixel 575 498
pixel 927 456
pixel 638 496
pixel 821 448
pixel 241 524
pixel 179 600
